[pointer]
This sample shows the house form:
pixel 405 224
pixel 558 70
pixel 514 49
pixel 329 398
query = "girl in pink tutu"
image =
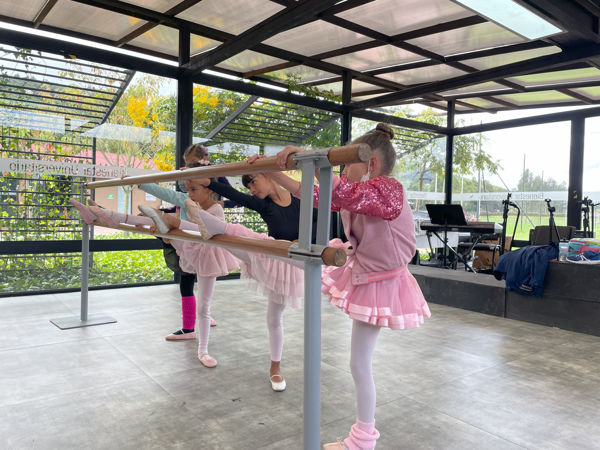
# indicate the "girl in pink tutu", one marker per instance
pixel 281 282
pixel 374 287
pixel 207 262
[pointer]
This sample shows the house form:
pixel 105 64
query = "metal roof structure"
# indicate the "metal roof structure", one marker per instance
pixel 394 52
pixel 41 91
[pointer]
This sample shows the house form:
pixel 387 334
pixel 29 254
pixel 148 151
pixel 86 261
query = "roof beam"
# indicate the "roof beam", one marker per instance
pixel 43 12
pixel 283 20
pixel 180 7
pixel 496 73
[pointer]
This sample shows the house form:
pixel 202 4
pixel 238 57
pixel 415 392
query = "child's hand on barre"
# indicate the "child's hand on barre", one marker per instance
pixel 282 156
pixel 254 158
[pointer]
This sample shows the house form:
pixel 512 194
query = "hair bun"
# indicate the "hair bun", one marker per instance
pixel 386 129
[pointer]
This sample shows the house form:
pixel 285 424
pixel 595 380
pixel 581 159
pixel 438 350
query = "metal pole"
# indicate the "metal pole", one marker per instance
pixel 312 355
pixel 449 154
pixel 576 173
pixel 85 270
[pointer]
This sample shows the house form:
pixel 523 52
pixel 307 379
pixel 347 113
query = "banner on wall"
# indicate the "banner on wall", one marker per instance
pixel 35 167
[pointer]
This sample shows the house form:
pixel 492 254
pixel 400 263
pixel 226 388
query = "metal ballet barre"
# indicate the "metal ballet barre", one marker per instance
pixel 313 255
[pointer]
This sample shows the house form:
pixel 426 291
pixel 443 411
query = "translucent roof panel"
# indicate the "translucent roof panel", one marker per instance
pixel 21 10
pixel 388 17
pixel 462 40
pixel 480 102
pixel 165 39
pixel 489 62
pixel 375 58
pixel 422 74
pixel 536 98
pixel 155 5
pixel 558 77
pixel 232 16
pixel 475 89
pixel 89 20
pixel 315 37
pixel 160 38
pixel 249 60
pixel 302 73
pixel 357 87
pixel 590 92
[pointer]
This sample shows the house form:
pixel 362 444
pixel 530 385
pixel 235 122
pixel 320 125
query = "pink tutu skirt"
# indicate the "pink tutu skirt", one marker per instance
pixel 205 260
pixel 272 277
pixel 395 303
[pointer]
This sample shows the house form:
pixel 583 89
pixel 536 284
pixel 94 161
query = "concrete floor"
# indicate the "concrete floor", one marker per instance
pixel 462 381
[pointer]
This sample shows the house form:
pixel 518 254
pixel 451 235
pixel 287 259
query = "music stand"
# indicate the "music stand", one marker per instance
pixel 448 216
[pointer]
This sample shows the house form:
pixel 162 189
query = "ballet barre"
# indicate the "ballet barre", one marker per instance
pixel 313 255
pixel 329 256
pixel 335 155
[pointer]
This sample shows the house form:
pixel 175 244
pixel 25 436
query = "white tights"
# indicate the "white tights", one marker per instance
pixel 206 286
pixel 364 337
pixel 128 218
pixel 275 306
pixel 275 326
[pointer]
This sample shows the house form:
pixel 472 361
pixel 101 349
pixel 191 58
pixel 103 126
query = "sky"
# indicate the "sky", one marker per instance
pixel 545 147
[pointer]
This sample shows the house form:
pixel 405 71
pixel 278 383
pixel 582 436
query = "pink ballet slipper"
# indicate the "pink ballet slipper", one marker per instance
pixel 193 212
pixel 207 360
pixel 213 322
pixel 103 218
pixel 86 214
pixel 335 445
pixel 179 335
pixel 161 226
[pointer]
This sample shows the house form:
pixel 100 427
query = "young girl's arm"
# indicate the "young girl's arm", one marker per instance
pixel 378 197
pixel 231 193
pixel 166 194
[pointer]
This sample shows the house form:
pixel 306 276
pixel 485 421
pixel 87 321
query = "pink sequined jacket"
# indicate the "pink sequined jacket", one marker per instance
pixel 378 223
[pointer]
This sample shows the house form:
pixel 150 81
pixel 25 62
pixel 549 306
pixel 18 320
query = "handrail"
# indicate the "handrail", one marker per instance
pixel 346 154
pixel 330 256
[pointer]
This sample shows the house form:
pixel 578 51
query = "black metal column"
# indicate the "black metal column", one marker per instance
pixel 449 154
pixel 345 137
pixel 185 104
pixel 576 173
pixel 346 99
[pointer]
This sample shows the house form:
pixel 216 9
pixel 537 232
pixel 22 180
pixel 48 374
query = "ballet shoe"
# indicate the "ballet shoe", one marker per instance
pixel 278 386
pixel 207 360
pixel 103 218
pixel 192 210
pixel 339 445
pixel 213 322
pixel 180 335
pixel 161 226
pixel 86 214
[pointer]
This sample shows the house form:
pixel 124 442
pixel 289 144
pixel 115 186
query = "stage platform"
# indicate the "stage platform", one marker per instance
pixel 571 299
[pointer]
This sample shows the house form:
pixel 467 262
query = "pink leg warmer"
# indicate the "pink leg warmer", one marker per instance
pixel 188 312
pixel 363 436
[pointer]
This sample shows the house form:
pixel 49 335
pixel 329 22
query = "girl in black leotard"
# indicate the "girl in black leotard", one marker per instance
pixel 281 212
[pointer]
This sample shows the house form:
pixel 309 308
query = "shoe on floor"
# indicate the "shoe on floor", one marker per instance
pixel 181 335
pixel 278 386
pixel 207 360
pixel 213 322
pixel 339 445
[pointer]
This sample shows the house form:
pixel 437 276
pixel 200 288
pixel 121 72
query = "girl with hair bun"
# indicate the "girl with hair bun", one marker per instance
pixel 374 287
